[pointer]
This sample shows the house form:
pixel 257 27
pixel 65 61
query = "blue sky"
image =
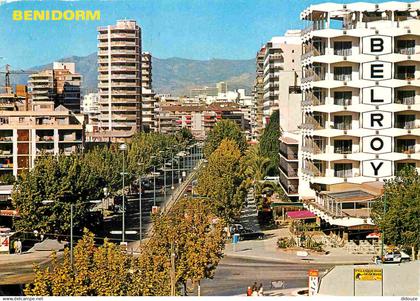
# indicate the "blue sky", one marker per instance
pixel 195 29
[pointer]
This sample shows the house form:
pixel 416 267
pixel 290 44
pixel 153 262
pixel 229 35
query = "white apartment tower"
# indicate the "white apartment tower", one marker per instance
pixel 120 81
pixel 361 86
pixel 280 68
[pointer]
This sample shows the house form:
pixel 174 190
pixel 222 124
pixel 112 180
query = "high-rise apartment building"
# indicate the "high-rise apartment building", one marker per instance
pixel 120 81
pixel 67 84
pixel 146 70
pixel 281 70
pixel 60 85
pixel 148 100
pixel 258 92
pixel 361 105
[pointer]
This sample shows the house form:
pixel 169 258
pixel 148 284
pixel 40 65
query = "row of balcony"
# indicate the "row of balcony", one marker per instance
pixel 344 147
pixel 319 47
pixel 319 72
pixel 341 170
pixel 345 122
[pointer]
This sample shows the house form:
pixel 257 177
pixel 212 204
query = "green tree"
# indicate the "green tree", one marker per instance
pixel 225 129
pixel 63 179
pixel 401 219
pixel 270 145
pixel 221 180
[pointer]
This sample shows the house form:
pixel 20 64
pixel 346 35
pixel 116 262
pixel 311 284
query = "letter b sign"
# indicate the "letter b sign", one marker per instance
pixel 377 45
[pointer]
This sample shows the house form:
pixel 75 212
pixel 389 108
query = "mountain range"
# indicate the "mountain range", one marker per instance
pixel 176 76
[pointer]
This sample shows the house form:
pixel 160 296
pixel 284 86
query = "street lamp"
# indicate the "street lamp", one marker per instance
pixel 45 202
pixel 123 148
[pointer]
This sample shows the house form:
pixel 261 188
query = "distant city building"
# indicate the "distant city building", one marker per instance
pixel 199 118
pixel 60 85
pixel 361 107
pixel 221 87
pixel 120 81
pixel 90 107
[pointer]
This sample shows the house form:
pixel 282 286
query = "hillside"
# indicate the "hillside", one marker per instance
pixel 173 75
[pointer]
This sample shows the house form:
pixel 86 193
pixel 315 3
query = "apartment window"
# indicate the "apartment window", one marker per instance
pixel 343 170
pixel 343 146
pixel 342 98
pixel 342 122
pixel 405 121
pixel 405 47
pixel 405 72
pixel 342 73
pixel 406 97
pixel 4 120
pixel 342 48
pixel 406 146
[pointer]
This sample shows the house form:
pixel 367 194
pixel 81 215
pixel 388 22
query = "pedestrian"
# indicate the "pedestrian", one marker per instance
pixel 260 290
pixel 19 247
pixel 254 287
pixel 254 293
pixel 249 291
pixel 15 246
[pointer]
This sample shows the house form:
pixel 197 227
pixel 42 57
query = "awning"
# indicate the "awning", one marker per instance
pixel 286 204
pixel 302 214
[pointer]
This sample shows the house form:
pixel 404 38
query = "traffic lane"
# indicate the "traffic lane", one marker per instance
pixel 234 275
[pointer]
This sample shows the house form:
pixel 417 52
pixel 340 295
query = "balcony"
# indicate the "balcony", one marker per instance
pixel 405 123
pixel 314 169
pixel 405 72
pixel 315 98
pixel 313 123
pixel 406 47
pixel 314 146
pixel 405 97
pixel 405 146
pixel 343 170
pixel 314 74
pixel 289 186
pixel 313 49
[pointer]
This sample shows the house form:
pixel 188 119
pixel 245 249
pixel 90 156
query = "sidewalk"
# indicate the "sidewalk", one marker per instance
pixel 267 250
pixel 17 269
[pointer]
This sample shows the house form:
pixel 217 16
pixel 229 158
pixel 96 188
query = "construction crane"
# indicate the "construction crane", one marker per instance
pixel 10 98
pixel 8 72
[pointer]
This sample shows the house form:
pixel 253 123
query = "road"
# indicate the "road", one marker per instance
pixel 132 222
pixel 234 275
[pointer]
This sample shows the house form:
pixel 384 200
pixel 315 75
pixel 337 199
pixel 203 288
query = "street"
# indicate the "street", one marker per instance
pixel 234 275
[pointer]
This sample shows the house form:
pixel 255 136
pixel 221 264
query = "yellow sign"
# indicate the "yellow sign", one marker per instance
pixel 368 274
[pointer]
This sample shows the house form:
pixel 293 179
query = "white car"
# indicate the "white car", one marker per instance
pixel 396 257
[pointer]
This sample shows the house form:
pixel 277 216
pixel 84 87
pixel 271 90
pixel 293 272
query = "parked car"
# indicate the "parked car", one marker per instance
pixel 396 257
pixel 235 228
pixel 248 234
